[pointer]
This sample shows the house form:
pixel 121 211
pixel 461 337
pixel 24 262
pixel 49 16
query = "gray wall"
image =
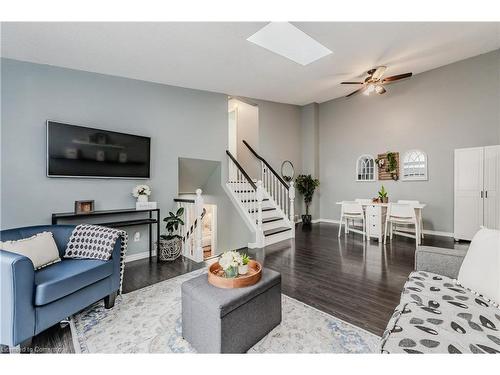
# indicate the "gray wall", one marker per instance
pixel 310 151
pixel 247 129
pixel 181 123
pixel 232 232
pixel 280 137
pixel 454 106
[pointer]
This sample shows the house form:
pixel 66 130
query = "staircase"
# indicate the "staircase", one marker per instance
pixel 267 204
pixel 190 232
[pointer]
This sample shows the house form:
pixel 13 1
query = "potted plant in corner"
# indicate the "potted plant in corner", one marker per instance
pixel 170 244
pixel 306 185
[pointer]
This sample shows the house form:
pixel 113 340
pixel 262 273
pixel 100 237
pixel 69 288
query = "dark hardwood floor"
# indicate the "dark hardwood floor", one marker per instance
pixel 355 281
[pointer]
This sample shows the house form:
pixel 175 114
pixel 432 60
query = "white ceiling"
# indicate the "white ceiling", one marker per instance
pixel 217 57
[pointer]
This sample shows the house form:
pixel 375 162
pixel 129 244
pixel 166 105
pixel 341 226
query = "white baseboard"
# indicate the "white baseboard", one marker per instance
pixel 137 256
pixel 426 231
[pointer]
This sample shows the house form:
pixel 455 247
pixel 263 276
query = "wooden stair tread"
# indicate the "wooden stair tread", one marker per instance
pixel 270 219
pixel 254 200
pixel 270 232
pixel 264 209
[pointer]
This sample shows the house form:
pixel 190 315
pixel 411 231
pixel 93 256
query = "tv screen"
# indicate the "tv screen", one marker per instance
pixel 78 151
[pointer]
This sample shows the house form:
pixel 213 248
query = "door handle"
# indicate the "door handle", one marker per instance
pixel 486 193
pixel 482 194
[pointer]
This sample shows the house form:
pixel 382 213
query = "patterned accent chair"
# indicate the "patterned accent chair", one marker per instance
pixel 34 300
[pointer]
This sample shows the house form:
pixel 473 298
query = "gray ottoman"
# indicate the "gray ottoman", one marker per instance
pixel 216 320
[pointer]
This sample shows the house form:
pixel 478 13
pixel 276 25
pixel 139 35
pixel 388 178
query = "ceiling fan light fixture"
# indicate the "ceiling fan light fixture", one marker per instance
pixel 379 89
pixel 369 89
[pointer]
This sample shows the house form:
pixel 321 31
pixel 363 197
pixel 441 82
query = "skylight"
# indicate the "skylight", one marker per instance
pixel 286 40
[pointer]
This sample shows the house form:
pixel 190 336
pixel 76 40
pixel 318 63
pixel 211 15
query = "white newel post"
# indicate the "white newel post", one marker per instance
pixel 259 195
pixel 291 194
pixel 198 206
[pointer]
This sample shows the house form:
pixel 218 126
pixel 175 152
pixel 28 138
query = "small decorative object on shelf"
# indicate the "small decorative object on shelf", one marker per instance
pixel 83 207
pixel 234 270
pixel 382 195
pixel 146 205
pixel 306 185
pixel 170 245
pixel 141 192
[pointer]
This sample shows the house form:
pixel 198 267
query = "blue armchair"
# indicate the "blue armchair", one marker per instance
pixel 34 300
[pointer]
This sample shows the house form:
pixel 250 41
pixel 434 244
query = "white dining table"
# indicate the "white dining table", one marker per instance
pixel 418 213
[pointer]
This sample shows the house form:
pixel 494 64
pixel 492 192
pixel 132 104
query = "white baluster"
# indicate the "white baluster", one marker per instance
pixel 259 196
pixel 198 202
pixel 291 193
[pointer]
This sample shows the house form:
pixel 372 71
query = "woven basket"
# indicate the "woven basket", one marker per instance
pixel 169 250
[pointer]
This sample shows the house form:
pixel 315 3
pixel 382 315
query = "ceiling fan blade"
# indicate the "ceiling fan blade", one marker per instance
pixel 355 92
pixel 378 72
pixel 351 83
pixel 396 77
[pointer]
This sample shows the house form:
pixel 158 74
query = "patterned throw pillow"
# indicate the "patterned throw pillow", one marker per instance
pixel 91 242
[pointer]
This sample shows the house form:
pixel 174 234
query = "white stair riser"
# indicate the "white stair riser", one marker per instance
pixel 273 224
pixel 253 205
pixel 269 240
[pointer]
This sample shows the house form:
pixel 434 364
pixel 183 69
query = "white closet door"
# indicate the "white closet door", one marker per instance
pixel 492 187
pixel 468 192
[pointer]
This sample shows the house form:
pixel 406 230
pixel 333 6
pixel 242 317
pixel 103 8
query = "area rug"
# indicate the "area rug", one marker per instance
pixel 148 320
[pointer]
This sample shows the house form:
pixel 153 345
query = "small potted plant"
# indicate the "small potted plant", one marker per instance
pixel 230 261
pixel 382 195
pixel 243 267
pixel 306 185
pixel 170 244
pixel 141 192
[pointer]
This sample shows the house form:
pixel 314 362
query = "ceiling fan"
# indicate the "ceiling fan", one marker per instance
pixel 374 82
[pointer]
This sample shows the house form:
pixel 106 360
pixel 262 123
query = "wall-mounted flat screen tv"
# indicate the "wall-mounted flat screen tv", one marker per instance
pixel 78 151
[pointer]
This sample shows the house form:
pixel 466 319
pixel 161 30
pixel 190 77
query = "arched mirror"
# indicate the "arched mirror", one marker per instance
pixel 287 171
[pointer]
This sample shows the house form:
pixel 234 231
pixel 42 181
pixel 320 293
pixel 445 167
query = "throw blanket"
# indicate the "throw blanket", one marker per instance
pixel 89 241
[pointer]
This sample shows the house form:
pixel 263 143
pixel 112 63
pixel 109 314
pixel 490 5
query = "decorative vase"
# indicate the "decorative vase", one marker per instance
pixel 231 272
pixel 143 198
pixel 169 250
pixel 243 270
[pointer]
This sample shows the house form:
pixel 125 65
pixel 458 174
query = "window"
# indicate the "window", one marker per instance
pixel 365 168
pixel 414 165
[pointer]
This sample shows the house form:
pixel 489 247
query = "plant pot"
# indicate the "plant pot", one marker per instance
pixel 385 200
pixel 142 198
pixel 169 250
pixel 231 272
pixel 306 219
pixel 243 270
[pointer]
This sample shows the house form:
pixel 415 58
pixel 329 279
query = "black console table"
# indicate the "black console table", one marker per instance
pixel 150 221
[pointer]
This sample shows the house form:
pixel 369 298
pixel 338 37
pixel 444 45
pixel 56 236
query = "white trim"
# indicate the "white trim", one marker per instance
pixel 425 231
pixel 137 256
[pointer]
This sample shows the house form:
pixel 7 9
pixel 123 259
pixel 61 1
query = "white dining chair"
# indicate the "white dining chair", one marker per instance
pixel 402 214
pixel 420 217
pixel 352 211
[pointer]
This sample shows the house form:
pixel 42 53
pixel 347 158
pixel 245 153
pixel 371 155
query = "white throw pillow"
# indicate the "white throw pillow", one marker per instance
pixel 41 249
pixel 480 270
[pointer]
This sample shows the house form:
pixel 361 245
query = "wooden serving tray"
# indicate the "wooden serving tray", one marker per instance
pixel 252 277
